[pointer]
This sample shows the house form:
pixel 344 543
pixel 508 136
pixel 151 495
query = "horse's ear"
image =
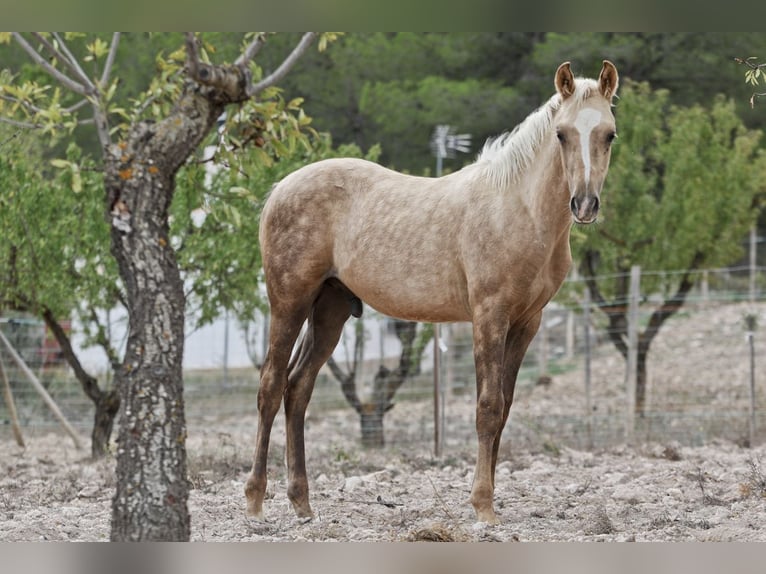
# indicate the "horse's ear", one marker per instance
pixel 608 80
pixel 565 82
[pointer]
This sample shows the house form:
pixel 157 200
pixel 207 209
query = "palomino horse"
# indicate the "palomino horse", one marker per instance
pixel 487 244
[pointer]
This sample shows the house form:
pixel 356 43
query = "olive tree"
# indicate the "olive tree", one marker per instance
pixel 142 148
pixel 683 190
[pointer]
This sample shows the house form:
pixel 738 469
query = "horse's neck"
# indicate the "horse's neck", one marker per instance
pixel 543 189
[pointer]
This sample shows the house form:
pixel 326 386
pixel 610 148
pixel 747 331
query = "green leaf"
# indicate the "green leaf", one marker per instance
pixel 97 49
pixel 76 179
pixel 60 163
pixel 241 191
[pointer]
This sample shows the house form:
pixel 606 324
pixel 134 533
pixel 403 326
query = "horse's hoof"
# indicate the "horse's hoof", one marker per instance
pixel 487 516
pixel 255 514
pixel 303 511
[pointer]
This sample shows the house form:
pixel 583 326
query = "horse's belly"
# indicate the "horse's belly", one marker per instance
pixel 413 297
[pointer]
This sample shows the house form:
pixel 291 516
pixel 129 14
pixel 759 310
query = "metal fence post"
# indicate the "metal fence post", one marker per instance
pixel 586 341
pixel 632 363
pixel 750 325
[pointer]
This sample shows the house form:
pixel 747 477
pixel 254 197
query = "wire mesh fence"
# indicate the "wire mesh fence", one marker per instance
pixel 705 376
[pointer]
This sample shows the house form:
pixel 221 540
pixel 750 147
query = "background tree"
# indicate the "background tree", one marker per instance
pixel 49 271
pixel 386 88
pixel 372 87
pixel 683 190
pixel 413 338
pixel 153 142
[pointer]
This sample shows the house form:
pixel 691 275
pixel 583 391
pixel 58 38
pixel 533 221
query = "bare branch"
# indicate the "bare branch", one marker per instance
pixel 251 51
pixel 192 55
pixel 70 61
pixel 110 60
pixel 10 138
pixel 57 55
pixel 347 384
pixel 30 107
pixel 749 64
pixel 31 126
pixel 62 78
pixel 77 106
pixel 19 124
pixel 285 66
pixel 102 127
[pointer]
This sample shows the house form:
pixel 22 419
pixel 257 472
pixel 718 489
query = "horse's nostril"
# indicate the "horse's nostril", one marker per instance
pixel 574 205
pixel 596 204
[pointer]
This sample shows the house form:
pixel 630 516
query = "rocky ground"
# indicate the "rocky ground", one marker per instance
pixel 657 490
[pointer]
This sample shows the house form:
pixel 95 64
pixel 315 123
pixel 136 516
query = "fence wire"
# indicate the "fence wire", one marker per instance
pixel 700 380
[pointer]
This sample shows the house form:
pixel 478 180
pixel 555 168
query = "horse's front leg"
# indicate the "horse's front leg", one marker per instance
pixel 489 335
pixel 516 345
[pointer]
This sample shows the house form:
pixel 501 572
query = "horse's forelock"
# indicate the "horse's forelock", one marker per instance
pixel 506 156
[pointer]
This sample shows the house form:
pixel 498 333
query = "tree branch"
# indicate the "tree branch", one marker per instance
pixel 102 127
pixel 405 332
pixel 77 106
pixel 18 124
pixel 231 80
pixel 672 305
pixel 251 51
pixel 26 105
pixel 68 59
pixel 110 60
pixel 10 138
pixel 285 66
pixel 35 110
pixel 192 56
pixel 616 311
pixel 103 340
pixel 347 384
pixel 87 381
pixel 62 78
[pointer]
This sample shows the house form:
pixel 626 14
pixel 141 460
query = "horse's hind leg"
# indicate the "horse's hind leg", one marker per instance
pixel 328 314
pixel 284 330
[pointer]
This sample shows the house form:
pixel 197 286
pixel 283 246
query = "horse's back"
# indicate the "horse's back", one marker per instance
pixel 389 237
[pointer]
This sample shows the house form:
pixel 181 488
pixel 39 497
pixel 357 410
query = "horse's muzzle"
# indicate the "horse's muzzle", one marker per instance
pixel 585 209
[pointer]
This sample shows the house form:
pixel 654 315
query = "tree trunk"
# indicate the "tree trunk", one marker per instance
pixel 107 408
pixel 107 403
pixel 386 383
pixel 641 380
pixel 371 419
pixel 150 502
pixel 616 312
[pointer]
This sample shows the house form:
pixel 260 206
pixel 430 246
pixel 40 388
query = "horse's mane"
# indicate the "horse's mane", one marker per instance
pixel 505 157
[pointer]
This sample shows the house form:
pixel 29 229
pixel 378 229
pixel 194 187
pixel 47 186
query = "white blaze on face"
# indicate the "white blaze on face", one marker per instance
pixel 587 119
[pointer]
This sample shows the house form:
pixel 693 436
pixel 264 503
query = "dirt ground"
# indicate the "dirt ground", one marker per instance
pixel 658 491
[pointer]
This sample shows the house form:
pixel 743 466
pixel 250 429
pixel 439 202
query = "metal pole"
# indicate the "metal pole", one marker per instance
pixel 443 144
pixel 753 261
pixel 437 395
pixel 750 322
pixel 588 406
pixel 542 349
pixel 751 340
pixel 632 363
pixel 226 348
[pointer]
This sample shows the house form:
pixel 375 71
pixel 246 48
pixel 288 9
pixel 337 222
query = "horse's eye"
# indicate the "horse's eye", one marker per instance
pixel 561 137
